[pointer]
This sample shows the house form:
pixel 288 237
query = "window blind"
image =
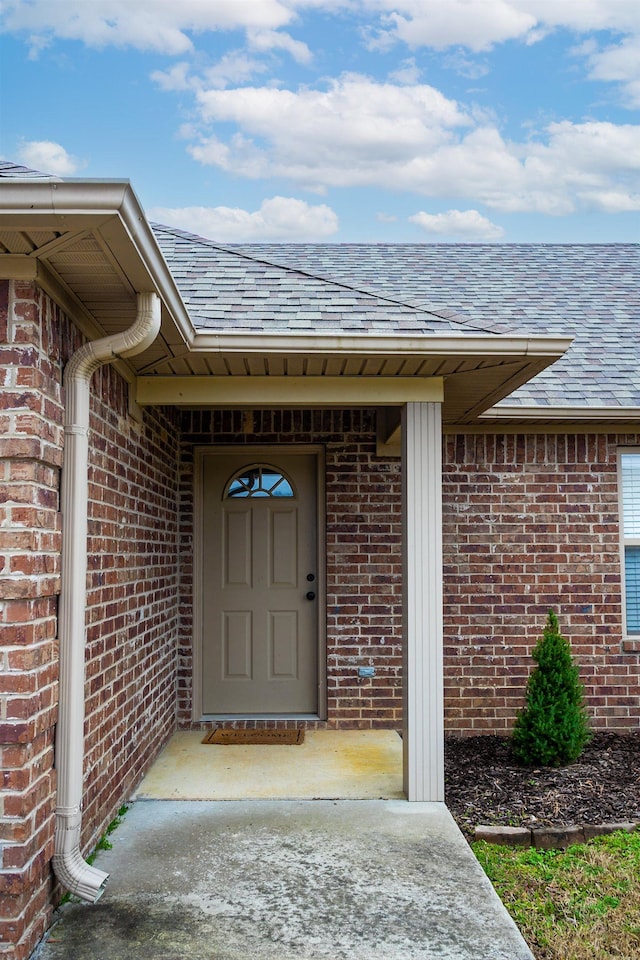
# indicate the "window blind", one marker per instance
pixel 632 588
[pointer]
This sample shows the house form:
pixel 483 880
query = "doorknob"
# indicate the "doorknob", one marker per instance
pixel 311 595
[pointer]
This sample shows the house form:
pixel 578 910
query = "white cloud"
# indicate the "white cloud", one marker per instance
pixel 465 66
pixel 445 23
pixel 591 162
pixel 175 78
pixel 462 224
pixel 362 133
pixel 265 40
pixel 48 157
pixel 480 24
pixel 619 63
pixel 279 218
pixel 232 68
pixel 474 25
pixel 146 24
pixel 356 131
pixel 407 73
pixel 170 27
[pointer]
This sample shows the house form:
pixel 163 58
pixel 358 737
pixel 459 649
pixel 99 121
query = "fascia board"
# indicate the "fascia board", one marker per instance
pixel 145 242
pixel 504 412
pixel 248 391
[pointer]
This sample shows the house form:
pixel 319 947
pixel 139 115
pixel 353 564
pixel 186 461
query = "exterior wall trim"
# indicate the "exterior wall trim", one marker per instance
pixel 287 391
pixel 423 740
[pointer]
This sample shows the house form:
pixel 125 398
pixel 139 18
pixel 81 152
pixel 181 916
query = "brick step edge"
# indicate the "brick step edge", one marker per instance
pixel 548 838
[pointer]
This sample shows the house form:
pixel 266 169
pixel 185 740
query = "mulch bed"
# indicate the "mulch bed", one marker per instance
pixel 485 785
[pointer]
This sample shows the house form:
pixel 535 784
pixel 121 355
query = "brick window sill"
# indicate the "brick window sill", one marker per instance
pixel 631 646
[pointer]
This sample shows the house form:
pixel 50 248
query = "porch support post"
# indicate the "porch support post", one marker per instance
pixel 422 601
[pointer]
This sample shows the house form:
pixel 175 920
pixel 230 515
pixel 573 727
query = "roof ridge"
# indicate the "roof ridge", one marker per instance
pixel 444 314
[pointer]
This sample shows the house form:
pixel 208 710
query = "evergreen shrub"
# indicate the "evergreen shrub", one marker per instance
pixel 552 729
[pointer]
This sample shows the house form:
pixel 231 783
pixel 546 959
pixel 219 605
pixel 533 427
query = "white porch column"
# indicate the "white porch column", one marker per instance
pixel 422 601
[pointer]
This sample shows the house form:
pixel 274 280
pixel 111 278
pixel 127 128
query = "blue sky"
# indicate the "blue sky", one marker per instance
pixel 338 120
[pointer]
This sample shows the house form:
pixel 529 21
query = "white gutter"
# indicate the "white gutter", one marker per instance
pixel 370 344
pixel 541 412
pixel 71 869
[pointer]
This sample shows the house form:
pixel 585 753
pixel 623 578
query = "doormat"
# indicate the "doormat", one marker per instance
pixel 240 737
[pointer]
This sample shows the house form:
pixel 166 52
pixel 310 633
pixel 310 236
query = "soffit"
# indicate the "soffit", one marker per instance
pixel 477 372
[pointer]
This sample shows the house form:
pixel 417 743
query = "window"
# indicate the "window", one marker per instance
pixel 630 484
pixel 259 481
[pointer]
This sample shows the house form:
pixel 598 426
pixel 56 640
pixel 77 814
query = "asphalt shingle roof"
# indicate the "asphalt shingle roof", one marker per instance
pixel 590 292
pixel 229 290
pixel 15 171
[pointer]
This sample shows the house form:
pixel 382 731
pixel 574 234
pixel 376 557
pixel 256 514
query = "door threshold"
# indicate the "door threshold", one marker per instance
pixel 207 717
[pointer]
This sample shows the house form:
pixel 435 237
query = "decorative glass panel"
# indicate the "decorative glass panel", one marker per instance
pixel 259 481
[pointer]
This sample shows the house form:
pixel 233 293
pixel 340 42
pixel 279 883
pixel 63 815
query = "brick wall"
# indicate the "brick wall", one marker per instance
pixel 531 523
pixel 132 612
pixel 363 535
pixel 31 449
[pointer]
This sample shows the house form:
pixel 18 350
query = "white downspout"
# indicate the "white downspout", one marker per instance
pixel 71 869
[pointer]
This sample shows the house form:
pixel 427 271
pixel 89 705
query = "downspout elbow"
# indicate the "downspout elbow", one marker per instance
pixel 73 872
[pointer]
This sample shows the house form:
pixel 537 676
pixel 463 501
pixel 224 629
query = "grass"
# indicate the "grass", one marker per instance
pixel 582 903
pixel 104 843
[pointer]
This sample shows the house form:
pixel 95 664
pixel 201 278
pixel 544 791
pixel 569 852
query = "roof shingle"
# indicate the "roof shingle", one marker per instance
pixel 590 292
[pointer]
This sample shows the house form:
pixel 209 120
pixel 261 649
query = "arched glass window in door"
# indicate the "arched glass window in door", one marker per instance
pixel 260 480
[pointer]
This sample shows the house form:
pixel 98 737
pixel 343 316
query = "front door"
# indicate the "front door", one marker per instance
pixel 260 585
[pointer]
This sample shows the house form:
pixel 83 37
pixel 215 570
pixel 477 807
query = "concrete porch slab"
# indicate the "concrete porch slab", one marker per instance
pixel 346 764
pixel 292 880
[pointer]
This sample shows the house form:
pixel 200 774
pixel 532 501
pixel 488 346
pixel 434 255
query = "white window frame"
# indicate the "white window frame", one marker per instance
pixel 626 540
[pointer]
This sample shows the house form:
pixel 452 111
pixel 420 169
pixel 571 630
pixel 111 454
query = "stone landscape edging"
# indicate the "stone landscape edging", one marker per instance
pixel 548 838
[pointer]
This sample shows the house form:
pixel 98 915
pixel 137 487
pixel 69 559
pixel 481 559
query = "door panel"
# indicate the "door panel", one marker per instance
pixel 259 648
pixel 237 649
pixel 283 548
pixel 237 547
pixel 283 642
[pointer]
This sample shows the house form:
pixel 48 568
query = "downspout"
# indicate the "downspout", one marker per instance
pixel 71 869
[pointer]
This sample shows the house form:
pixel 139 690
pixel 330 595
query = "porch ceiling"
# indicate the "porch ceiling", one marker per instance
pixel 475 372
pixel 90 247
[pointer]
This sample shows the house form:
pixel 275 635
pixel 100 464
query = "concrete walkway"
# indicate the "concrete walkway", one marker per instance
pixel 288 880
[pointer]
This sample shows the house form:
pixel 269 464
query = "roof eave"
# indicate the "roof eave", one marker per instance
pixel 477 370
pixel 107 207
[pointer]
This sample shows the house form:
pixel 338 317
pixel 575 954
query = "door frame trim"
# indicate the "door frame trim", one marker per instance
pixel 257 450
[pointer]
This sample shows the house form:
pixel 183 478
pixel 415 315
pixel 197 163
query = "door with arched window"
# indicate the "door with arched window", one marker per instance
pixel 259 584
